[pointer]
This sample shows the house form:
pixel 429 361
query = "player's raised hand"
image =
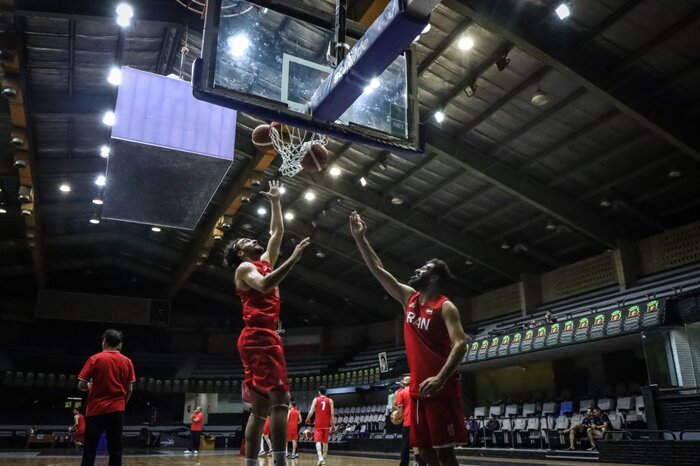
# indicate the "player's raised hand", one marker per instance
pixel 358 227
pixel 299 249
pixel 273 191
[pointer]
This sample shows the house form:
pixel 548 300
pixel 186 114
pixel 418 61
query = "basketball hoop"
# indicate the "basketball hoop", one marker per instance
pixel 293 144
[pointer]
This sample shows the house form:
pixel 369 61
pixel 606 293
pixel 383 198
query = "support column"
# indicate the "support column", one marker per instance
pixel 530 293
pixel 628 264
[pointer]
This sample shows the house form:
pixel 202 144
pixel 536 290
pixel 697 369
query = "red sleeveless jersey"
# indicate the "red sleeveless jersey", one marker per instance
pixel 261 310
pixel 323 412
pixel 428 344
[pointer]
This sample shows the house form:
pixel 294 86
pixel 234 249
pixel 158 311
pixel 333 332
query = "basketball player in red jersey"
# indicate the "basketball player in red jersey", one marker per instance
pixel 78 427
pixel 293 422
pixel 435 345
pixel 259 344
pixel 322 407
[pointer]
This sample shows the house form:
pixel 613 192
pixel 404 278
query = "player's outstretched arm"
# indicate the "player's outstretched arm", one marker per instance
pixel 311 411
pixel 450 315
pixel 397 290
pixel 248 274
pixel 276 223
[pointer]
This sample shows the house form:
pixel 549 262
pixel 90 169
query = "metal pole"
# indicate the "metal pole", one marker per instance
pixel 341 15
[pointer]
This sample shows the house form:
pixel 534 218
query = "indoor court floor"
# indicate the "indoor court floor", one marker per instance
pixel 172 458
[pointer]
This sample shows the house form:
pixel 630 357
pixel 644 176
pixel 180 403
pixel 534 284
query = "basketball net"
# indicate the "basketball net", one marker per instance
pixel 293 144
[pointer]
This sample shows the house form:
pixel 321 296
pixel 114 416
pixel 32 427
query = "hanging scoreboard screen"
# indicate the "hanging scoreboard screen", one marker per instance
pixel 604 324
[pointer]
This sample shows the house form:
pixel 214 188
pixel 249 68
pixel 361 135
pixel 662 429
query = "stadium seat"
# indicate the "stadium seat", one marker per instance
pixel 61 380
pixel 40 380
pixel 209 386
pixel 177 386
pixel 51 380
pixel 8 379
pixel 226 386
pixel 19 379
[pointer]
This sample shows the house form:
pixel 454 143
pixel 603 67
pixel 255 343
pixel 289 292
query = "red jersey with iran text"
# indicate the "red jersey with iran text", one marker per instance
pixel 428 344
pixel 259 345
pixel 110 373
pixel 261 310
pixel 323 413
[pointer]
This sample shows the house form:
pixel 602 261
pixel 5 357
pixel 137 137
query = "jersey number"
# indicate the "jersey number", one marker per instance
pixel 323 405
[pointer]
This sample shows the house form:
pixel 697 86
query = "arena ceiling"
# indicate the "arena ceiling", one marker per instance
pixel 613 154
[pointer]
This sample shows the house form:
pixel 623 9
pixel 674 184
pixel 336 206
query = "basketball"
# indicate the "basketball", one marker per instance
pixel 261 136
pixel 315 159
pixel 308 434
pixel 396 418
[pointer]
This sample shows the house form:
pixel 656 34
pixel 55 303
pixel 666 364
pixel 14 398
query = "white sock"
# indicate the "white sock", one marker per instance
pixel 278 458
pixel 251 462
pixel 319 450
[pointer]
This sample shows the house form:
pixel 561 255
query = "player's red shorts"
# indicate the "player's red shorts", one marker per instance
pixel 321 434
pixel 437 422
pixel 266 427
pixel 292 434
pixel 263 360
pixel 79 436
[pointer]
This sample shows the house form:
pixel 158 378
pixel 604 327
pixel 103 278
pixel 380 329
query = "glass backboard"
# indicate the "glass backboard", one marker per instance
pixel 270 63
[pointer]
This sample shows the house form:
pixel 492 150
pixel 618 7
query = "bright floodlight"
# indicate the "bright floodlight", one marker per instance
pixel 289 216
pixel 3 210
pixel 123 21
pixel 373 84
pixel 155 229
pixel 262 211
pixel 64 188
pixel 97 201
pixel 426 28
pixel 104 152
pixel 335 171
pixel 439 116
pixel 283 190
pixel 238 45
pixel 101 180
pixel 124 9
pixel 363 181
pixel 95 219
pixel 115 76
pixel 563 11
pixel 309 195
pixel 465 43
pixel 109 119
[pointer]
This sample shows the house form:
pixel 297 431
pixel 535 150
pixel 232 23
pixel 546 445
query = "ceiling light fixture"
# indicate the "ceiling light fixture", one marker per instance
pixel 363 181
pixel 101 180
pixel 289 216
pixel 468 262
pixel 3 209
pixel 104 152
pixel 64 188
pixel 605 202
pixel 551 226
pixel 309 195
pixel 397 200
pixel 563 11
pixel 674 173
pixel 115 76
pixel 539 98
pixel 94 219
pixel 283 190
pixel 426 29
pixel 439 116
pixel 470 90
pixel 262 211
pixel 320 254
pixel 109 119
pixel 98 201
pixel 505 246
pixel 465 43
pixel 124 14
pixel 334 171
pixel 503 62
pixel 156 229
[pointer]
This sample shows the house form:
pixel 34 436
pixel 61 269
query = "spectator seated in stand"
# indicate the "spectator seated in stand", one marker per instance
pixel 472 430
pixel 579 428
pixel 601 424
pixel 492 425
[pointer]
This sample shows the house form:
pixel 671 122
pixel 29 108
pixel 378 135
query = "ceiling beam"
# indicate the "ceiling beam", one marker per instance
pixel 495 172
pixel 589 68
pixel 425 226
pixel 443 46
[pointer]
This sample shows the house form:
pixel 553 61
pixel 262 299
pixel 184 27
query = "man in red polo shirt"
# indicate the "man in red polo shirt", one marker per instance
pixel 195 431
pixel 109 378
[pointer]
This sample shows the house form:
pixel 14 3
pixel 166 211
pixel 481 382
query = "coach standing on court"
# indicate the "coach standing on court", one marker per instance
pixel 109 378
